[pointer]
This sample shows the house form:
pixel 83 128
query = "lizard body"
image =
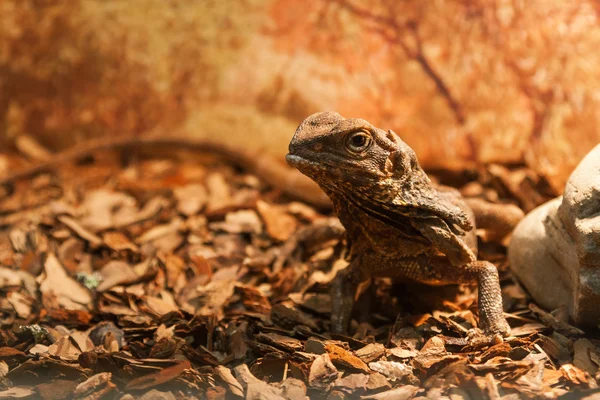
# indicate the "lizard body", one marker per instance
pixel 271 171
pixel 398 223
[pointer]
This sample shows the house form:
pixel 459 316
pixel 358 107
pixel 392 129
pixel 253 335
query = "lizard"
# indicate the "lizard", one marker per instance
pixel 398 223
pixel 274 173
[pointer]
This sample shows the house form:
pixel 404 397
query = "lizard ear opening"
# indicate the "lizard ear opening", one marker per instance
pixel 394 164
pixel 398 162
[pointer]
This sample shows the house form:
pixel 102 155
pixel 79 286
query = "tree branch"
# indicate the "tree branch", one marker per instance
pixel 381 22
pixel 442 87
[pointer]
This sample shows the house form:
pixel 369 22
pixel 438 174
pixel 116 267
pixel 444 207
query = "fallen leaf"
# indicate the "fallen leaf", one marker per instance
pixel 116 273
pixel 69 293
pixel 190 198
pixel 157 378
pixel 279 224
pixel 80 230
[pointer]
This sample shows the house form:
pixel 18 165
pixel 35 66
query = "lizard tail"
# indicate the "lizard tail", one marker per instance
pixel 498 219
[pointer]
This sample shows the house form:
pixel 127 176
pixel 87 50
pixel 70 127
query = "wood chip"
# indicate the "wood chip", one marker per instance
pixel 345 359
pixel 158 378
pixel 322 372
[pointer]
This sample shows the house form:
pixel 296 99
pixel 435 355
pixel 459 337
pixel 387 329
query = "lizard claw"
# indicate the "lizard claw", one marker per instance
pixel 477 339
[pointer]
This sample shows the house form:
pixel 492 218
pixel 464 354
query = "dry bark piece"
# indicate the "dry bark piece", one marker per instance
pixel 432 353
pixel 56 390
pixel 17 393
pixel 391 369
pixel 216 393
pixel 292 389
pixel 551 321
pixel 401 353
pixel 253 299
pixel 65 349
pixel 405 392
pixel 371 352
pixel 322 373
pixel 377 382
pixel 157 378
pixel 157 395
pixel 352 384
pixel 583 350
pixel 227 377
pixel 254 387
pixel 575 375
pixel 282 342
pixel 11 355
pixel 93 384
pixel 345 359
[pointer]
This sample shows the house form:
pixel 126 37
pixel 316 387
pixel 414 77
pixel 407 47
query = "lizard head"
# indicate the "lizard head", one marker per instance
pixel 368 167
pixel 335 151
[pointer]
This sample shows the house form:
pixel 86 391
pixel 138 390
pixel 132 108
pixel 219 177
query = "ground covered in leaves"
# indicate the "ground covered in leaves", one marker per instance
pixel 188 278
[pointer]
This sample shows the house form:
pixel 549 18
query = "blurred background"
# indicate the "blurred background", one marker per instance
pixel 462 81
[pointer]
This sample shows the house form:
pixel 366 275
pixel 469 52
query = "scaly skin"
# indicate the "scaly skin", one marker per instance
pixel 398 223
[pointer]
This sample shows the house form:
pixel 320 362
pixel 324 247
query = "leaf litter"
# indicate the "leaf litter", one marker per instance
pixel 180 279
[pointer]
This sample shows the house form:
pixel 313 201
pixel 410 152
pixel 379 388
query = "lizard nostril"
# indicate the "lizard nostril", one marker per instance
pixel 318 147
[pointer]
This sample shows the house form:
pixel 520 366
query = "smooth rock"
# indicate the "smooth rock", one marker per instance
pixel 555 249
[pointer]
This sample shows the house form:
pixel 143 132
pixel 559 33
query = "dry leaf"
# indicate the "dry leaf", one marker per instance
pixel 69 293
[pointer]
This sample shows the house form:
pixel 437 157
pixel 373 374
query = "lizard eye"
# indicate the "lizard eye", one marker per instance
pixel 358 142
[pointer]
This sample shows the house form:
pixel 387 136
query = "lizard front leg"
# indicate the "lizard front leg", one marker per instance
pixel 343 292
pixel 491 314
pixel 437 270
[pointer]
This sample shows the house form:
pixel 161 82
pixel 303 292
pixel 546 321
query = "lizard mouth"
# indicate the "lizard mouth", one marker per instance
pixel 304 165
pixel 297 161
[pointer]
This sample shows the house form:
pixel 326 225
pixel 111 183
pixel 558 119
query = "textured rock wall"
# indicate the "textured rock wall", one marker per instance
pixel 462 82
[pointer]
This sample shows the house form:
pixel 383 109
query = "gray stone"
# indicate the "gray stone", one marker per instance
pixel 555 249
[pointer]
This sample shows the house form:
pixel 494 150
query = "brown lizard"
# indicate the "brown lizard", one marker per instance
pixel 398 224
pixel 276 174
